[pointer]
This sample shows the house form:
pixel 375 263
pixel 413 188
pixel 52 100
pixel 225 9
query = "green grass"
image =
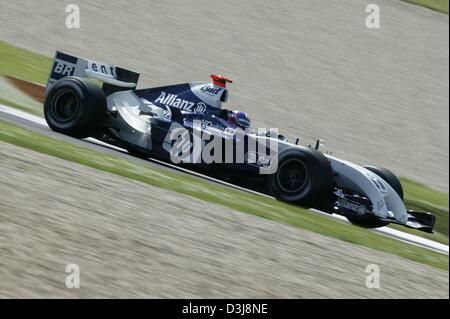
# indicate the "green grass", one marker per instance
pixel 33 67
pixel 438 5
pixel 211 192
pixel 423 198
pixel 23 64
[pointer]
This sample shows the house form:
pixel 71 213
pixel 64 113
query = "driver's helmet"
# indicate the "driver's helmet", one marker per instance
pixel 240 119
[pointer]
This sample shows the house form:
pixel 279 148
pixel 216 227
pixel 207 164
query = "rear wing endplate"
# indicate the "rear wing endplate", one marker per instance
pixel 114 78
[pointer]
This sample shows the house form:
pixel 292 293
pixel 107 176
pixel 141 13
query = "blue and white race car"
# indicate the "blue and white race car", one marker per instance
pixel 186 124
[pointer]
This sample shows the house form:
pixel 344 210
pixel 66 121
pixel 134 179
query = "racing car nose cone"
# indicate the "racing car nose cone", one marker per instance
pixel 220 80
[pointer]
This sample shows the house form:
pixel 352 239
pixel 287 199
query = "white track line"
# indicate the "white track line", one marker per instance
pixel 397 234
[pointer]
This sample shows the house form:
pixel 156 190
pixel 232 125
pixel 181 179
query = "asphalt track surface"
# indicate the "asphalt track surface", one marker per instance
pixel 38 124
pixel 133 240
pixel 311 69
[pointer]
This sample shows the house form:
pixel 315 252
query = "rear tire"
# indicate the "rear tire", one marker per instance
pixel 303 176
pixel 75 107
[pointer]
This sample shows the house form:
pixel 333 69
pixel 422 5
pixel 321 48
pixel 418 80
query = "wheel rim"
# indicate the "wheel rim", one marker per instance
pixel 292 176
pixel 65 106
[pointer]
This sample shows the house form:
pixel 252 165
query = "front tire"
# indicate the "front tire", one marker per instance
pixel 75 107
pixel 388 177
pixel 369 221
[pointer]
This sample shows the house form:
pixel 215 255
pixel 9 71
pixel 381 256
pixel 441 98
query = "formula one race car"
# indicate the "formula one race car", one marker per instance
pixel 185 124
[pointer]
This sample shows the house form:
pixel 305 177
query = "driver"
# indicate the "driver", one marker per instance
pixel 239 119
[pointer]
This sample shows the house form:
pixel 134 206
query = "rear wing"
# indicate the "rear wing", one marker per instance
pixel 113 77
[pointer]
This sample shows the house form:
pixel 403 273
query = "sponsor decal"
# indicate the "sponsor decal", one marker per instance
pixel 105 69
pixel 208 88
pixel 173 100
pixel 62 68
pixel 208 125
pixel 217 128
pixel 200 107
pixel 355 207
